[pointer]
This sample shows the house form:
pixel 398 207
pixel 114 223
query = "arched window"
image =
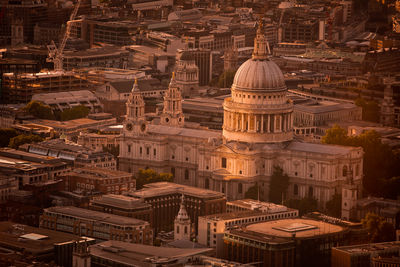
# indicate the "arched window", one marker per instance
pixel 240 188
pixel 177 229
pixel 310 191
pixel 186 174
pixel 295 189
pixel 344 171
pixel 207 183
pixel 186 230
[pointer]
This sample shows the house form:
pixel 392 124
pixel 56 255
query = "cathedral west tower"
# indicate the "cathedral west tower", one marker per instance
pixel 258 110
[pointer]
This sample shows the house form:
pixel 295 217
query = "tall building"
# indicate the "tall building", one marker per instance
pixel 203 60
pixel 257 135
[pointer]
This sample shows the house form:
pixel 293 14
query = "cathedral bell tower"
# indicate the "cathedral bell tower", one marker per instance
pixel 135 120
pixel 172 112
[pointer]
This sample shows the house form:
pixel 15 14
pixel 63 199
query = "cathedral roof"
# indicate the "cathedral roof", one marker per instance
pixel 259 72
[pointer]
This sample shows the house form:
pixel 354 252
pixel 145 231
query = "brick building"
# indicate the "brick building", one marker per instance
pixel 99 180
pixel 165 199
pixel 98 225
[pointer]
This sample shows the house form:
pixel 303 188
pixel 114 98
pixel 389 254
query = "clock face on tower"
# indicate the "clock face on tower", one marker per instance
pixel 129 126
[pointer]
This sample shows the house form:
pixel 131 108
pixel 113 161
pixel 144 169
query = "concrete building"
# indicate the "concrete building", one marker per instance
pixel 37 245
pixel 8 185
pixel 98 141
pixel 74 154
pixel 98 225
pixel 123 206
pixel 98 180
pixel 28 168
pixel 106 56
pixel 113 252
pixel 61 101
pixel 19 88
pixel 365 254
pixel 165 199
pixel 285 242
pixel 212 227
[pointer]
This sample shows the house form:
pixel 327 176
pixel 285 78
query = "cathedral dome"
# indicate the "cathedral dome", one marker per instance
pixel 257 74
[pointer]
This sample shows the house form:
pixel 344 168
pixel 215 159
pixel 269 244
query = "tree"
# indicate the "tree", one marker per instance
pixel 226 79
pixel 39 110
pixel 305 205
pixel 335 135
pixel 370 109
pixel 253 193
pixel 147 176
pixel 380 162
pixel 378 229
pixel 5 135
pixel 21 139
pixel 278 185
pixel 74 113
pixel 334 206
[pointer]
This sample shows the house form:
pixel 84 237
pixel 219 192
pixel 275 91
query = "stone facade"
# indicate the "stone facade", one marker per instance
pixel 257 135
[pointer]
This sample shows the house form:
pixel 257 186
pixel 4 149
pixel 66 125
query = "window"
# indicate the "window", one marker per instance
pixel 207 183
pixel 147 150
pixel 173 171
pixel 140 150
pixel 344 171
pixel 177 229
pixel 129 148
pixel 310 191
pixel 154 152
pixel 240 188
pixel 186 230
pixel 186 174
pixel 295 190
pixel 223 163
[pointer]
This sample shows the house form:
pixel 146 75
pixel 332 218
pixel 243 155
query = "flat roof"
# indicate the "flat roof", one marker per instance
pixel 35 240
pixel 184 132
pixel 142 255
pixel 92 215
pixel 302 228
pixel 120 201
pixel 164 188
pixel 371 247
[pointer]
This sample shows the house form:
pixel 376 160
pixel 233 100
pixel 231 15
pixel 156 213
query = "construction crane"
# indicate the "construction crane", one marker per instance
pixel 56 53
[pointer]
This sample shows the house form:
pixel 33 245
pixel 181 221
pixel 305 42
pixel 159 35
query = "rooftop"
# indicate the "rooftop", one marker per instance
pixel 91 215
pixel 184 132
pixel 302 228
pixel 252 204
pixel 368 248
pixel 98 173
pixel 120 201
pixel 164 188
pixel 32 239
pixel 142 255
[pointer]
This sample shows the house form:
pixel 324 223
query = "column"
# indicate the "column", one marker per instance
pixel 268 123
pixel 262 123
pixel 255 123
pixel 242 123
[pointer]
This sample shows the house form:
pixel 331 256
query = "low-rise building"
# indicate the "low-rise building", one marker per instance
pixel 212 227
pixel 165 199
pixel 37 244
pixel 123 206
pixel 98 225
pixel 8 185
pixel 113 253
pixel 97 141
pixel 284 242
pixel 28 168
pixel 364 255
pixel 76 155
pixel 103 180
pixel 61 101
